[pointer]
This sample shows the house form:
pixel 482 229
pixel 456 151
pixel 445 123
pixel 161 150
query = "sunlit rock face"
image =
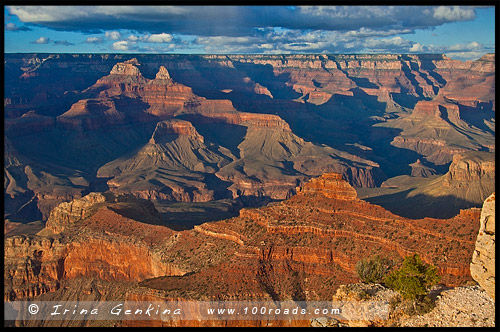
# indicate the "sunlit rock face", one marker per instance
pixel 482 267
pixel 289 250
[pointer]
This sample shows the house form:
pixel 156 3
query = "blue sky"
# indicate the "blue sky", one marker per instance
pixel 461 32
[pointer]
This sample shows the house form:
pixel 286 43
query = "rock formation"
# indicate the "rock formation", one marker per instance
pixel 302 248
pixel 275 121
pixel 106 243
pixel 482 267
pixel 419 169
pixel 436 128
pixel 163 74
pixel 269 143
pixel 469 181
pixel 172 165
pixel 66 214
pixel 330 185
pixel 126 68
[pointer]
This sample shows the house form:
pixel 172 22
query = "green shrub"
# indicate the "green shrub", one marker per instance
pixel 374 269
pixel 413 278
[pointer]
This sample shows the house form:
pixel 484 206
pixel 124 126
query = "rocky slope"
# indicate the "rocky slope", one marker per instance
pixel 464 306
pixel 302 248
pixel 461 307
pixel 277 119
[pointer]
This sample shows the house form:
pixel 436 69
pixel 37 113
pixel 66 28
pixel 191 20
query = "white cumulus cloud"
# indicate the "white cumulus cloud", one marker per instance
pixel 41 40
pixel 13 27
pixel 159 38
pixel 113 35
pixel 121 45
pixel 472 46
pixel 417 47
pixel 93 40
pixel 454 13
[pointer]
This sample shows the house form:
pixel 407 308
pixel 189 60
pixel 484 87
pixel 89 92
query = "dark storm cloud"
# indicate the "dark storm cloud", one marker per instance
pixel 237 20
pixel 63 43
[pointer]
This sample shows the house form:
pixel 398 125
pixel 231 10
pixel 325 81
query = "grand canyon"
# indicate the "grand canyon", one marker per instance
pixel 168 177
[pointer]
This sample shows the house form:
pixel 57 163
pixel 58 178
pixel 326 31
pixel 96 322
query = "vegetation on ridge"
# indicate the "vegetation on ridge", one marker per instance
pixel 413 279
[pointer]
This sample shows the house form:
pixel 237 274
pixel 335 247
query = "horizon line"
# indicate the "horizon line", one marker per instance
pixel 248 54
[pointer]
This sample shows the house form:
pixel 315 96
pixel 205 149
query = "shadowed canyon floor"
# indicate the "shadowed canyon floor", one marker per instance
pixel 470 177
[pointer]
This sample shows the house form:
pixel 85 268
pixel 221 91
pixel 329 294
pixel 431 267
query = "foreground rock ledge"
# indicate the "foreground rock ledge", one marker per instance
pixel 464 306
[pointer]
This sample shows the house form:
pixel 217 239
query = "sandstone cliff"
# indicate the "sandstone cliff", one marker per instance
pixel 469 180
pixel 483 261
pixel 330 185
pixel 289 250
pixel 93 237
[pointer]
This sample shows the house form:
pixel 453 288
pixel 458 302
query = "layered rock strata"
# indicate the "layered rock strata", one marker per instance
pixel 301 248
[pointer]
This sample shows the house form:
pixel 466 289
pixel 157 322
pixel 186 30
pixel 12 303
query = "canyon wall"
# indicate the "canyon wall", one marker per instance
pixel 289 250
pixel 267 122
